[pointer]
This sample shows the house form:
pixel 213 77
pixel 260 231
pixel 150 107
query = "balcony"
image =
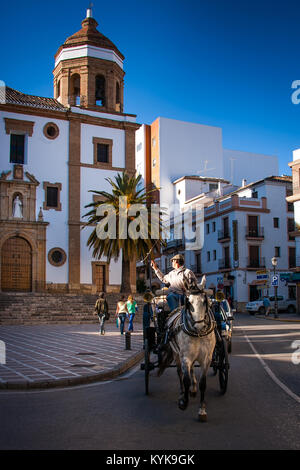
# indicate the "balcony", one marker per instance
pixel 224 264
pixel 255 233
pixel 256 263
pixel 223 236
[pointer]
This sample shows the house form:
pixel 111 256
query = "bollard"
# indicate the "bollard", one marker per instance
pixel 127 340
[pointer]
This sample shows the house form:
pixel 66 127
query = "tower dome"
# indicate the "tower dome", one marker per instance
pixel 89 70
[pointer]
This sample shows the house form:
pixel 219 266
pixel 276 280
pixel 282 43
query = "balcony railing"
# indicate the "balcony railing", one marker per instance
pixel 257 232
pixel 223 234
pixel 224 263
pixel 256 263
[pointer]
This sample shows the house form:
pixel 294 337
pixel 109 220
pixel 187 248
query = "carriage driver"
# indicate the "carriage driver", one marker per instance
pixel 176 278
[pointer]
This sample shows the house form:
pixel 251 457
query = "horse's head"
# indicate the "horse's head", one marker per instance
pixel 196 299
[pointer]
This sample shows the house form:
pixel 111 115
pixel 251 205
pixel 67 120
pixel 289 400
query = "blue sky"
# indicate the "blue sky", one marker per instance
pixel 218 62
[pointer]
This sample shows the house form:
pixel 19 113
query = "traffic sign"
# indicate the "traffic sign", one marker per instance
pixel 275 280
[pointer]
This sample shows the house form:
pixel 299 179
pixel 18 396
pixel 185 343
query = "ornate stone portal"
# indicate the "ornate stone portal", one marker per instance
pixel 22 237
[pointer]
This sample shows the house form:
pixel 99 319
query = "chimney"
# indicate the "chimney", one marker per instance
pixel 244 182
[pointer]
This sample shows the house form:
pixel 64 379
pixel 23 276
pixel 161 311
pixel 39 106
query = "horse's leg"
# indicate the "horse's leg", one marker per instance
pixel 193 391
pixel 184 397
pixel 179 372
pixel 202 387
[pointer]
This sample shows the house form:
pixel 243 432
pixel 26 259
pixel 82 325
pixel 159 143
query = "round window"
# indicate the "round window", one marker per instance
pixel 51 130
pixel 57 257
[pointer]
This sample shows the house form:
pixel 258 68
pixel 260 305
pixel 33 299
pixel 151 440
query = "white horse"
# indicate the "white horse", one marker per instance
pixel 192 339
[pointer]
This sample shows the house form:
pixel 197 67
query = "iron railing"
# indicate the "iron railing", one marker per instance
pixel 257 232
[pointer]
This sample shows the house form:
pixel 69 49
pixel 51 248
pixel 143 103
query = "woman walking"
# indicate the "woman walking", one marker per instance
pixel 122 312
pixel 132 308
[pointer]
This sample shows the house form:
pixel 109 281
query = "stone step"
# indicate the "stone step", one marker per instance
pixel 41 308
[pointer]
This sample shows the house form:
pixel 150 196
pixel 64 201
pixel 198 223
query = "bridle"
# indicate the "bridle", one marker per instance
pixel 187 322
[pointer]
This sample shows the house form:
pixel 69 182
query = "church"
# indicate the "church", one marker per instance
pixel 54 151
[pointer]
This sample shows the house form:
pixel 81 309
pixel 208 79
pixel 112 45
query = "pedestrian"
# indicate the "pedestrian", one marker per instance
pixel 132 308
pixel 122 312
pixel 147 312
pixel 267 305
pixel 101 309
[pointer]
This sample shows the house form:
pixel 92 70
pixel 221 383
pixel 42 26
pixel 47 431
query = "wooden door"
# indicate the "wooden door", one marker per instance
pixel 100 277
pixel 16 265
pixel 252 225
pixel 254 256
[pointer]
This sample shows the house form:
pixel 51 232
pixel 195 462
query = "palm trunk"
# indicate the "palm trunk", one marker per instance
pixel 125 285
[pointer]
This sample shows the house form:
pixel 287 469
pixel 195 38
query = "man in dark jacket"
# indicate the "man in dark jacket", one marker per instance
pixel 101 309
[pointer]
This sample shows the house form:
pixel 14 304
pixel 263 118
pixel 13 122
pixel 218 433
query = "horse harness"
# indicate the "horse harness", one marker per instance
pixel 183 320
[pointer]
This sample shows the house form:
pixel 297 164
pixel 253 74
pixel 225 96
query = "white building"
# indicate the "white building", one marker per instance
pixel 243 230
pixel 168 149
pixel 53 151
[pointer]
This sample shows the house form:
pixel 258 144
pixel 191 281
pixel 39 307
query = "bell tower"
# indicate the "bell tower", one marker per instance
pixel 89 70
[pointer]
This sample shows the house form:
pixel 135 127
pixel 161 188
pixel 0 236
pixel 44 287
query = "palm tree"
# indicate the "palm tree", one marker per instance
pixel 122 215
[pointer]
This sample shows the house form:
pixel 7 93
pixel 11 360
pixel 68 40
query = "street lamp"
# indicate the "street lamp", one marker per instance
pixel 274 263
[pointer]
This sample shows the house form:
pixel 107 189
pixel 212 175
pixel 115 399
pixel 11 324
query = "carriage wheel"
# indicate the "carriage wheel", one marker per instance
pixel 223 366
pixel 147 366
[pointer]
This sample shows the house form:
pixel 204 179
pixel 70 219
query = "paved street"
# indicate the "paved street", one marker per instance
pixel 60 355
pixel 259 411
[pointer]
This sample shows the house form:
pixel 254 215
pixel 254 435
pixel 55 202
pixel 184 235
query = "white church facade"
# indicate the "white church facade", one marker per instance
pixel 53 152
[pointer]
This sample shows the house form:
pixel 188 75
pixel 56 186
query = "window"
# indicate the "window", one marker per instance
pixel 17 148
pixel 214 226
pixel 208 256
pixel 52 196
pixel 153 142
pixel 207 228
pixel 153 162
pixel 58 89
pixel 291 228
pixel 276 222
pixel 102 153
pixel 57 257
pixel 254 194
pixel 51 130
pixel 100 90
pixel 213 186
pixel 215 255
pixel 292 257
pixel 277 252
pixel 139 147
pixel 117 93
pixel 75 90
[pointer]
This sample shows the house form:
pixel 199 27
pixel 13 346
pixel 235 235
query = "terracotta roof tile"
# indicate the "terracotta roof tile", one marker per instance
pixel 16 97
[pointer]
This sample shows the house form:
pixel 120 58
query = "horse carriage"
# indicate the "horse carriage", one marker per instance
pixel 193 335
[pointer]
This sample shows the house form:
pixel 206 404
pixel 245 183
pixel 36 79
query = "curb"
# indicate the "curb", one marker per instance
pixel 295 320
pixel 100 377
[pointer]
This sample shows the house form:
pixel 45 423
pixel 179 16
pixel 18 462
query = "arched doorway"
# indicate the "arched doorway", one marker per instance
pixel 16 265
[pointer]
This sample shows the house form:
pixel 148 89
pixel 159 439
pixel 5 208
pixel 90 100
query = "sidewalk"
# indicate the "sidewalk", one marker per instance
pixel 45 356
pixel 285 317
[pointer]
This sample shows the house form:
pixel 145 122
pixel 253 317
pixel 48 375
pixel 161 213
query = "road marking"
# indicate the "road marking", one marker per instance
pixel 271 374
